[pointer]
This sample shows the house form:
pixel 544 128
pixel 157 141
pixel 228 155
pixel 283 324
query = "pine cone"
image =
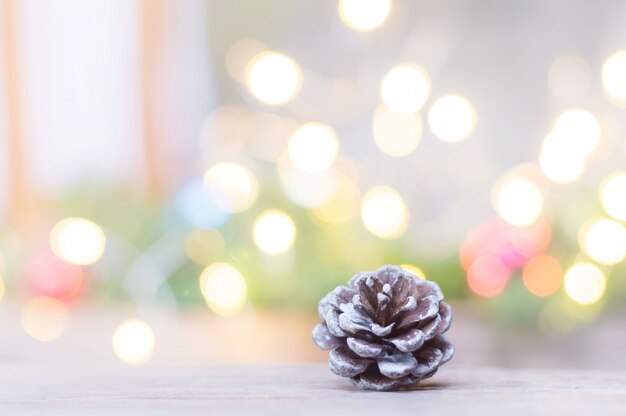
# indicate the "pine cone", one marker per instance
pixel 385 329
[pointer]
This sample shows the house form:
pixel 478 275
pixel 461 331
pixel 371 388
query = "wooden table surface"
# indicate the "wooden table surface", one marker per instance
pixel 309 389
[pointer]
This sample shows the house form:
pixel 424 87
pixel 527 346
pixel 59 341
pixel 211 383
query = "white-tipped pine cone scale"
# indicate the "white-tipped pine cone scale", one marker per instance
pixel 385 329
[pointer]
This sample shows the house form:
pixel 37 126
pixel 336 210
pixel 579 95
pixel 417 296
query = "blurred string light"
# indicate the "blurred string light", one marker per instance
pixel 78 241
pixel 204 246
pixel 512 245
pixel 565 150
pixel 224 289
pixel 313 147
pixel 559 161
pixel 196 206
pixel 452 118
pixel 384 212
pixel 308 190
pixel 233 187
pixel 240 54
pixel 133 342
pixel 585 283
pixel 414 270
pixel 47 275
pixel 405 88
pixel 581 129
pixel 363 15
pixel 487 276
pixel 396 134
pixel 44 318
pixel 532 240
pixel 613 195
pixel 343 206
pixel 274 232
pixel 614 77
pixel 542 276
pixel 518 201
pixel 273 78
pixel 569 78
pixel 604 241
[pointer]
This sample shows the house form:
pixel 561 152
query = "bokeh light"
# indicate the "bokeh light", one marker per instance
pixel 196 206
pixel 570 78
pixel 313 147
pixel 204 246
pixel 343 206
pixel 273 78
pixel 44 318
pixel 585 283
pixel 518 201
pixel 274 232
pixel 542 276
pixel 234 188
pixel 2 289
pixel 452 118
pixel 405 88
pixel 604 241
pixel 240 54
pixel 78 241
pixel 133 342
pixel 613 196
pixel 614 77
pixel 560 161
pixel 580 129
pixel 47 275
pixel 384 212
pixel 532 240
pixel 411 268
pixel 396 134
pixel 308 190
pixel 514 246
pixel 487 276
pixel 224 289
pixel 363 15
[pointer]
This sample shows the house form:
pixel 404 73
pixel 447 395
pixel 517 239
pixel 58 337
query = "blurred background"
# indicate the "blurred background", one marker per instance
pixel 182 181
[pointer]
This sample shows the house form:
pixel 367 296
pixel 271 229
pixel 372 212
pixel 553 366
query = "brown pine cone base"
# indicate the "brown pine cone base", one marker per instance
pixel 385 329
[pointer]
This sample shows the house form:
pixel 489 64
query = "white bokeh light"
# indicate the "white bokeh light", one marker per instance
pixel 274 232
pixel 452 118
pixel 44 318
pixel 560 161
pixel 604 241
pixel 133 342
pixel 384 212
pixel 614 77
pixel 396 134
pixel 580 129
pixel 313 147
pixel 273 78
pixel 585 283
pixel 363 15
pixel 224 289
pixel 519 201
pixel 78 241
pixel 613 196
pixel 405 88
pixel 234 188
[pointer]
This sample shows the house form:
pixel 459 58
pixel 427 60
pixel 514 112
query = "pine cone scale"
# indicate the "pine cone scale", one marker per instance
pixel 409 341
pixel 364 348
pixel 343 363
pixel 396 365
